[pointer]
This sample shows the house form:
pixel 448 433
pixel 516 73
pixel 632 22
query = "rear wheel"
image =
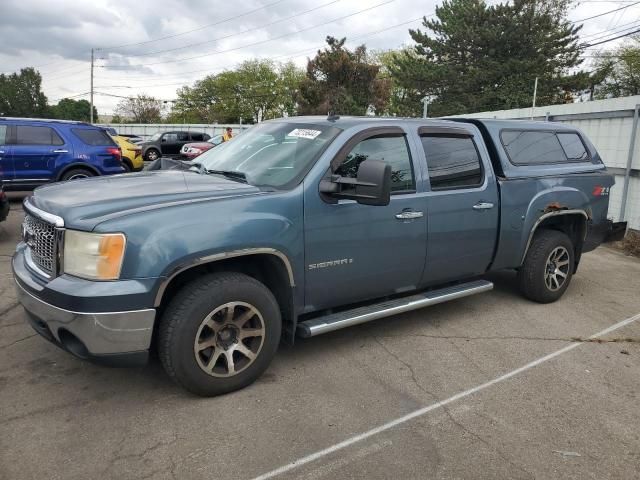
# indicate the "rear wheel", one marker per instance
pixel 76 173
pixel 219 333
pixel 548 267
pixel 151 155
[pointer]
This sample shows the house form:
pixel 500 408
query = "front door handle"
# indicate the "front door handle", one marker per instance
pixel 408 215
pixel 60 151
pixel 483 206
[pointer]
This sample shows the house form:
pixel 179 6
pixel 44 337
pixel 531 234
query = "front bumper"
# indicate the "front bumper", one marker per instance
pixel 119 338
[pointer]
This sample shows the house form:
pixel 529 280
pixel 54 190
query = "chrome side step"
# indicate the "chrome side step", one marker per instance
pixel 336 321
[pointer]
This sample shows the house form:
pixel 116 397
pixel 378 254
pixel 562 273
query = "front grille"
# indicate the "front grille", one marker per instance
pixel 40 237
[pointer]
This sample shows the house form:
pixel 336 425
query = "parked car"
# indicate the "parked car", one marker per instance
pixel 192 150
pixel 4 204
pixel 304 226
pixel 169 144
pixel 131 154
pixel 37 151
pixel 132 138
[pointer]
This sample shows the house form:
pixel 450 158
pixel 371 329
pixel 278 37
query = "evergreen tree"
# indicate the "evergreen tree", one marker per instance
pixel 474 57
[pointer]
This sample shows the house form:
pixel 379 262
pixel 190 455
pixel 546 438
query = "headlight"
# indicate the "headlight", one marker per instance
pixel 96 256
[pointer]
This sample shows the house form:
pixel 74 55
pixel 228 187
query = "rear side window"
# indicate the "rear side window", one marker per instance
pixel 452 161
pixel 32 135
pixel 536 147
pixel 197 137
pixel 93 137
pixel 3 134
pixel 573 146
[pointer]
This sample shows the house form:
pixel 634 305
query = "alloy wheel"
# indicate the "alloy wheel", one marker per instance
pixel 229 339
pixel 557 268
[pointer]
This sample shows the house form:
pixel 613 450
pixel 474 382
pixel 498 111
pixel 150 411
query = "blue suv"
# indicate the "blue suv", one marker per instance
pixel 37 151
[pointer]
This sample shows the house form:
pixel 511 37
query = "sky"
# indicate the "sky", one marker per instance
pixel 155 46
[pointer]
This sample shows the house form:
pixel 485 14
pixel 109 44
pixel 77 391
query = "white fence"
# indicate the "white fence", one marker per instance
pixel 612 126
pixel 146 130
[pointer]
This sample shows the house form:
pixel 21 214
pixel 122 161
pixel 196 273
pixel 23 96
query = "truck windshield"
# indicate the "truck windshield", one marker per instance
pixel 273 154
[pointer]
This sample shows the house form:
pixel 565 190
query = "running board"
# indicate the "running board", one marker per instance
pixel 336 321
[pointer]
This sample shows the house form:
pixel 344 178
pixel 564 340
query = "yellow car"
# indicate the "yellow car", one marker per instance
pixel 131 153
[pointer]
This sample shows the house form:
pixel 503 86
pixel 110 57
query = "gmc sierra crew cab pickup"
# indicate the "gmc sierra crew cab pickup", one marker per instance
pixel 302 226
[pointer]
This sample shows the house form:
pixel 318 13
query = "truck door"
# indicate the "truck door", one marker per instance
pixel 462 206
pixel 356 252
pixel 35 152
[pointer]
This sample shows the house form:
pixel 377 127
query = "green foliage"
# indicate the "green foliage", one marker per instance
pixel 21 94
pixel 255 91
pixel 473 57
pixel 70 109
pixel 617 72
pixel 343 82
pixel 140 109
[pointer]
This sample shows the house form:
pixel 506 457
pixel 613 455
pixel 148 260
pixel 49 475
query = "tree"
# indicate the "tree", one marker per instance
pixel 21 94
pixel 617 73
pixel 473 57
pixel 140 109
pixel 256 90
pixel 70 109
pixel 343 82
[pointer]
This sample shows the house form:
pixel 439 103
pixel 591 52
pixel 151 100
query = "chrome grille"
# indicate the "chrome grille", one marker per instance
pixel 40 237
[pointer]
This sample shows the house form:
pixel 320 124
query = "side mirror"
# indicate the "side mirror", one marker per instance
pixel 371 187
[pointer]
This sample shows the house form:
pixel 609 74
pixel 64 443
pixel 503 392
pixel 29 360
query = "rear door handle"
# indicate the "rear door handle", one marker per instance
pixel 408 215
pixel 60 151
pixel 483 206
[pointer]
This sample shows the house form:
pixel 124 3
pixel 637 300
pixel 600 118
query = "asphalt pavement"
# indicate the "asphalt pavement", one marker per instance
pixel 486 387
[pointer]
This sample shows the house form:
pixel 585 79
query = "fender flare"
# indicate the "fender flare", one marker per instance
pixel 554 213
pixel 76 164
pixel 217 257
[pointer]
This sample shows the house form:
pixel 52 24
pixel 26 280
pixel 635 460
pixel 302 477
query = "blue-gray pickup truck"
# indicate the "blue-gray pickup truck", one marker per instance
pixel 301 226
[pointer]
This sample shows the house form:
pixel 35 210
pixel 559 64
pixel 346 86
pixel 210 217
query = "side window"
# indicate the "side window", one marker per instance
pixel 182 136
pixel 170 137
pixel 573 146
pixel 30 135
pixel 532 147
pixel 197 137
pixel 452 161
pixel 391 149
pixel 3 134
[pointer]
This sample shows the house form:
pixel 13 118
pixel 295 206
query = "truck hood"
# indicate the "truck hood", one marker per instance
pixel 85 203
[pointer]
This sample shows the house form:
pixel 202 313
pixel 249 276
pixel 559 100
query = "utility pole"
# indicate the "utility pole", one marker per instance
pixel 425 103
pixel 535 92
pixel 91 90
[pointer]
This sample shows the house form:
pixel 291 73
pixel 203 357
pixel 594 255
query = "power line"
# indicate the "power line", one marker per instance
pixel 217 52
pixel 612 39
pixel 219 22
pixel 606 13
pixel 236 33
pixel 612 31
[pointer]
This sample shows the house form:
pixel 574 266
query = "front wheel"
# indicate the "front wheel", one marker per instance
pixel 219 333
pixel 548 267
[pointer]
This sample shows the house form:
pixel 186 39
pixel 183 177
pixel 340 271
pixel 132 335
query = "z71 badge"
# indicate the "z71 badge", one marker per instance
pixel 332 263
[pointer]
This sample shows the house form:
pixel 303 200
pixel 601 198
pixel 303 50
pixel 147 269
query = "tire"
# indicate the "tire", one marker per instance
pixel 548 267
pixel 126 166
pixel 197 334
pixel 76 173
pixel 151 155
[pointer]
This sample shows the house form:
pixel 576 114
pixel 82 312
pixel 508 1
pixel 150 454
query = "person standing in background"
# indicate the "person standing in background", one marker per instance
pixel 228 135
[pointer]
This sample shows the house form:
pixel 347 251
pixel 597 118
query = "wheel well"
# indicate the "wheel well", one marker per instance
pixel 573 225
pixel 128 162
pixel 77 166
pixel 266 268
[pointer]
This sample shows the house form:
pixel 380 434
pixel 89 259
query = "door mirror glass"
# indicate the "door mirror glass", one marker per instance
pixel 372 186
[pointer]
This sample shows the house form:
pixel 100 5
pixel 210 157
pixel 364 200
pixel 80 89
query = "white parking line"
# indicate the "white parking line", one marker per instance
pixel 422 411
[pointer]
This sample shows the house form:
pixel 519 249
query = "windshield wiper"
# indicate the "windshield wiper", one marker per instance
pixel 231 174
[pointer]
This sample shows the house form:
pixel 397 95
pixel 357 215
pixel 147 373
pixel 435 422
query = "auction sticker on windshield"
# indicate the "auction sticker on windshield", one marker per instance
pixel 304 133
